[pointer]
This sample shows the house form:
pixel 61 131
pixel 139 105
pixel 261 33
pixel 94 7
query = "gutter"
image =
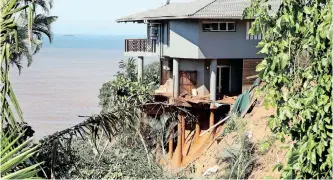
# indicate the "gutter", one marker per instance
pixel 180 17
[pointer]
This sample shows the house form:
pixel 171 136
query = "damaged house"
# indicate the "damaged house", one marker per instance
pixel 206 54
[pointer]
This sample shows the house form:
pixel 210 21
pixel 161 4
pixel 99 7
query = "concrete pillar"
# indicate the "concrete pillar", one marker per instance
pixel 175 78
pixel 213 71
pixel 179 143
pixel 140 68
pixel 171 144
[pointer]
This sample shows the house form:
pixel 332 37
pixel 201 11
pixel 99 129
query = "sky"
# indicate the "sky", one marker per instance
pixel 98 16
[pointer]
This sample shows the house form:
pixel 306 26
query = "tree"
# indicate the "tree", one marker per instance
pixel 16 150
pixel 125 91
pixel 297 74
pixel 41 27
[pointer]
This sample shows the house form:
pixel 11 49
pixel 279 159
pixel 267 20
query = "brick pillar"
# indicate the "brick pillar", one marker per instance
pixel 183 130
pixel 179 143
pixel 197 127
pixel 171 144
pixel 212 118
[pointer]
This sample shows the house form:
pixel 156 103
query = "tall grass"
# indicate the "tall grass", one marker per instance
pixel 238 156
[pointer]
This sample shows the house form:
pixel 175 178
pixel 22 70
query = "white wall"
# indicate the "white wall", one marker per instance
pixel 184 38
pixel 187 40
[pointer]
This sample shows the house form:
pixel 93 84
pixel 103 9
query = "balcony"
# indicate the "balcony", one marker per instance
pixel 140 47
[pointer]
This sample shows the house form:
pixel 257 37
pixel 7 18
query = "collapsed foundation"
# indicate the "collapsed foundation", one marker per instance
pixel 196 125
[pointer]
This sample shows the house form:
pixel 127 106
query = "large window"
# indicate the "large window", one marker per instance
pixel 218 26
pixel 248 35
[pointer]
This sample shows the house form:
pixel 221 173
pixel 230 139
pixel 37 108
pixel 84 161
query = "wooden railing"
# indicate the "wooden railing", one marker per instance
pixel 140 45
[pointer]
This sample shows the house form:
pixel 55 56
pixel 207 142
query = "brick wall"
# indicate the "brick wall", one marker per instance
pixel 249 69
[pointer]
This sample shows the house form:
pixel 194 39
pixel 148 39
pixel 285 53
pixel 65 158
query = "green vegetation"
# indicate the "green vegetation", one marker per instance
pixel 297 71
pixel 21 32
pixel 15 153
pixel 240 155
pixel 125 92
pixel 265 145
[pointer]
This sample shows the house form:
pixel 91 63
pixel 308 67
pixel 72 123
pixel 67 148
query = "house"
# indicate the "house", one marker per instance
pixel 204 47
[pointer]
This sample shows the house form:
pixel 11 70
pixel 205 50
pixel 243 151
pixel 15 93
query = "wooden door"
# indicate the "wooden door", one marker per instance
pixel 187 81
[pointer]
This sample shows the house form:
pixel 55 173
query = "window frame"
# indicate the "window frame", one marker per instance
pixel 219 26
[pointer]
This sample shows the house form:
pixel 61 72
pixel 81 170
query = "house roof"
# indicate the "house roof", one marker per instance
pixel 196 9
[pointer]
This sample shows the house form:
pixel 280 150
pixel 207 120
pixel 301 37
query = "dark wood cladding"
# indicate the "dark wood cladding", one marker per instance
pixel 249 69
pixel 140 45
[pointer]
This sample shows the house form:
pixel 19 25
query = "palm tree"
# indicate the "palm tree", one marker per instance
pixel 15 152
pixel 41 27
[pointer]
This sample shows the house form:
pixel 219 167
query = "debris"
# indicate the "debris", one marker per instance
pixel 211 170
pixel 249 134
pixel 226 118
pixel 245 101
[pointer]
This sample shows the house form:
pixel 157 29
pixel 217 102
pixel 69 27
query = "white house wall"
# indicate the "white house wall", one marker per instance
pixel 184 38
pixel 187 40
pixel 230 45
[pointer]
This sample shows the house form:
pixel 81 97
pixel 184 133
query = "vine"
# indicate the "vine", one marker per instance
pixel 297 44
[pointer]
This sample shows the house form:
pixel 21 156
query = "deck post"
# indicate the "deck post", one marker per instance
pixel 175 73
pixel 213 71
pixel 140 68
pixel 171 144
pixel 212 118
pixel 179 143
pixel 197 127
pixel 183 131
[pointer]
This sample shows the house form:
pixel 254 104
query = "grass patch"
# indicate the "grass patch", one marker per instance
pixel 239 156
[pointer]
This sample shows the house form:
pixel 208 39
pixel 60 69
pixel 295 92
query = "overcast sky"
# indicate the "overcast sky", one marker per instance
pixel 98 16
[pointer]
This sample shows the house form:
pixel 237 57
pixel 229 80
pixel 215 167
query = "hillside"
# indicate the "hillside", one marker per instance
pixel 266 152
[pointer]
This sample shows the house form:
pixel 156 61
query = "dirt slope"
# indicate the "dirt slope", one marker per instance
pixel 257 122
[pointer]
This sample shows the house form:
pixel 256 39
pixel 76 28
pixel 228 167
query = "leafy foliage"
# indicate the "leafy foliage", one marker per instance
pixel 125 91
pixel 16 151
pixel 297 74
pixel 118 161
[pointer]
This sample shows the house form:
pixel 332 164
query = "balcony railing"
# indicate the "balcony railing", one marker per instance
pixel 140 45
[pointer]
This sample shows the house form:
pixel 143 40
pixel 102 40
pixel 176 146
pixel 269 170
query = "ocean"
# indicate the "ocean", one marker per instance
pixel 64 80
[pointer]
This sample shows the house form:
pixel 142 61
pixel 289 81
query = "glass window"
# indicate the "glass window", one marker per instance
pixel 206 27
pixel 215 26
pixel 219 26
pixel 223 26
pixel 231 26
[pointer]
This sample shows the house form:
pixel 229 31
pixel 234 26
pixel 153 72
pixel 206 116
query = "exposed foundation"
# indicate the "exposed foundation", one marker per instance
pixel 192 137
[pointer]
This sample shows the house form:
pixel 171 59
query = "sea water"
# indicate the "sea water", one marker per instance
pixel 64 79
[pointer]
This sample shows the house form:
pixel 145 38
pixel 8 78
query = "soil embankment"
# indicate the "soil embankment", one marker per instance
pixel 204 154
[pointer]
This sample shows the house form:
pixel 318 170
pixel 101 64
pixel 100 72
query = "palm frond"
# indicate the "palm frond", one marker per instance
pixel 15 155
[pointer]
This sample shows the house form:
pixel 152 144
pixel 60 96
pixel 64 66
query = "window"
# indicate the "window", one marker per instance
pixel 248 35
pixel 223 26
pixel 218 26
pixel 152 31
pixel 168 33
pixel 215 27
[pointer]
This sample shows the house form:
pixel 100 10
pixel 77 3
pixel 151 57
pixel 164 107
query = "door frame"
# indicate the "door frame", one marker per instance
pixel 219 68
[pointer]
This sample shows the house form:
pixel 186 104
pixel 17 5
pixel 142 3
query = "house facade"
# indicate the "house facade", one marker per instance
pixel 204 47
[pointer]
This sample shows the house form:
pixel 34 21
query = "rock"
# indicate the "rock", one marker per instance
pixel 211 170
